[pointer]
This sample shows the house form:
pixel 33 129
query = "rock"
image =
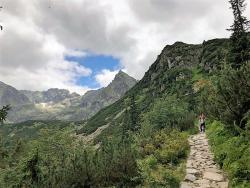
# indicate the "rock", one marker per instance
pixel 223 184
pixel 190 177
pixel 189 164
pixel 202 183
pixel 213 176
pixel 192 171
pixel 185 185
pixel 212 170
pixel 201 169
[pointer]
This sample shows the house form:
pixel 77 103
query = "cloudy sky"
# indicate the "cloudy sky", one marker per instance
pixel 81 44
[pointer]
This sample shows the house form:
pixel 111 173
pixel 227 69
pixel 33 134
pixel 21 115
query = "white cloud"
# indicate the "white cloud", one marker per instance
pixel 39 34
pixel 34 60
pixel 105 77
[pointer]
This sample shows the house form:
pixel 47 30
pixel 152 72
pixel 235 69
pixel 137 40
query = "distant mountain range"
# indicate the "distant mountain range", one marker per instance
pixel 60 104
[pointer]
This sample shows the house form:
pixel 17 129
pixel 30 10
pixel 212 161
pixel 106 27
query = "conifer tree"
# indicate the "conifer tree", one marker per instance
pixel 4 113
pixel 239 51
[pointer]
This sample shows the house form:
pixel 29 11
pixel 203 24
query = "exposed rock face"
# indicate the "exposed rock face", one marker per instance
pixel 60 104
pixel 94 100
pixel 9 95
pixel 201 170
pixel 52 95
pixel 209 55
pixel 108 95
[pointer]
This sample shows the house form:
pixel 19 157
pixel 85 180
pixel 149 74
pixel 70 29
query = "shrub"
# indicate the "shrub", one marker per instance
pixel 160 166
pixel 232 153
pixel 228 100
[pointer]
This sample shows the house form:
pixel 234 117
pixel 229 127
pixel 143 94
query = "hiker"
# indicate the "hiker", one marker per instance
pixel 202 122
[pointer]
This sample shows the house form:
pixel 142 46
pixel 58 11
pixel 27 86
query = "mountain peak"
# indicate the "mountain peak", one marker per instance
pixel 122 83
pixel 122 75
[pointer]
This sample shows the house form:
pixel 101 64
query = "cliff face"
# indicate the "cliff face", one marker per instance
pixel 93 101
pixel 9 95
pixel 52 95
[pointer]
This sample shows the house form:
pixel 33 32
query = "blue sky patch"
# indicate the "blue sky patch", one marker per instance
pixel 96 63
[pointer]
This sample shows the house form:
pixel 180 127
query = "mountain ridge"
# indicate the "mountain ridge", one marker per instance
pixel 55 103
pixel 172 73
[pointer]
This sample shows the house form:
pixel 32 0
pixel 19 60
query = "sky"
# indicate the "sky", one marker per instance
pixel 82 44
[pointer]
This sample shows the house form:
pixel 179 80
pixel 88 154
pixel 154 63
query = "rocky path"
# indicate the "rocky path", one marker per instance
pixel 201 170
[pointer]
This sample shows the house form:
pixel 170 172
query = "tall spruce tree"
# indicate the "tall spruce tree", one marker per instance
pixel 239 51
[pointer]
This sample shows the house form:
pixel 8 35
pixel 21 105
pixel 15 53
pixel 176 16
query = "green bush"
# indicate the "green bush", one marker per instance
pixel 162 167
pixel 228 99
pixel 170 113
pixel 232 153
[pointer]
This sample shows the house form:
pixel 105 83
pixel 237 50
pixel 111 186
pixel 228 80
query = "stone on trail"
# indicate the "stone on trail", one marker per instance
pixel 190 177
pixel 212 170
pixel 192 171
pixel 202 183
pixel 222 185
pixel 213 176
pixel 185 185
pixel 189 164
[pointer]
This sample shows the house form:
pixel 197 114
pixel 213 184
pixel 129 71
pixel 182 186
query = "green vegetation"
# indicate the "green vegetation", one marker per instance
pixel 239 51
pixel 162 158
pixel 55 159
pixel 4 113
pixel 227 100
pixel 232 153
pixel 46 155
pixel 145 142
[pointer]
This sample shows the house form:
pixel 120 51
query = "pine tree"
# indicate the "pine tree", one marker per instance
pixel 239 51
pixel 4 113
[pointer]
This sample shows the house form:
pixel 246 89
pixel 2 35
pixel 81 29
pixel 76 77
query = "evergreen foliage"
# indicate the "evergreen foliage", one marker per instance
pixel 232 153
pixel 240 47
pixel 228 99
pixel 4 113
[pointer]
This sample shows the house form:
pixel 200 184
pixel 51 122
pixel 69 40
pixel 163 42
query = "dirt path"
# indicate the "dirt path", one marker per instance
pixel 201 170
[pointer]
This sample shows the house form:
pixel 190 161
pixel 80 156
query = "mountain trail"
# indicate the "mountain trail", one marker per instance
pixel 201 170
